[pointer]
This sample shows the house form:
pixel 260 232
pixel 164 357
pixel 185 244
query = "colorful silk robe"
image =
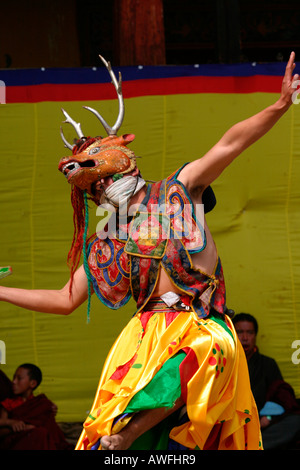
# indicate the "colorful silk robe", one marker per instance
pixel 161 355
pixel 164 231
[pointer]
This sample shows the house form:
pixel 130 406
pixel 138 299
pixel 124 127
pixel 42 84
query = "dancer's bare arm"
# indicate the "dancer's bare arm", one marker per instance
pixel 49 301
pixel 202 172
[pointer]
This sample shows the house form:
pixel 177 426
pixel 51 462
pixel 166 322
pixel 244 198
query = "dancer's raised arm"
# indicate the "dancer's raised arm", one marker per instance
pixel 202 172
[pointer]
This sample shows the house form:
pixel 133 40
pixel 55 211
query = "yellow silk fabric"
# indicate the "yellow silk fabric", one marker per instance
pixel 219 392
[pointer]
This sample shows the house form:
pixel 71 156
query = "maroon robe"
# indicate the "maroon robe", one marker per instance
pixel 46 434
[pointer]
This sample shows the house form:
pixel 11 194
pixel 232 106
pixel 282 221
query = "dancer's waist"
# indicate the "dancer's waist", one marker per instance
pixel 172 301
pixel 169 302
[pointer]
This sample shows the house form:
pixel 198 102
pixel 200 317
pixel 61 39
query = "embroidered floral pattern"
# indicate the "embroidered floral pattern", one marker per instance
pixel 217 360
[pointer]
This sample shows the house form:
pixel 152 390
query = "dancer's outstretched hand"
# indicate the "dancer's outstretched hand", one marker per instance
pixel 289 82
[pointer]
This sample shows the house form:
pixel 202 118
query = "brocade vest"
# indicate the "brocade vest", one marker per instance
pixel 163 233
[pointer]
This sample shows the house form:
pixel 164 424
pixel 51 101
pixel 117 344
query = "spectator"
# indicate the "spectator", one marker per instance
pixel 27 422
pixel 278 409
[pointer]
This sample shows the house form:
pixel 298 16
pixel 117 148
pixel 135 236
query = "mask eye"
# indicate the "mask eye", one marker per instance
pixel 94 150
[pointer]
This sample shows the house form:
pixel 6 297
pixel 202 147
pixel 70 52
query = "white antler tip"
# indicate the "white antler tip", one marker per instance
pixel 104 61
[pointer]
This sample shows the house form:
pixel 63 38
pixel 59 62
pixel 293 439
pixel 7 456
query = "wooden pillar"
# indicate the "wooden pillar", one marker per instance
pixel 139 36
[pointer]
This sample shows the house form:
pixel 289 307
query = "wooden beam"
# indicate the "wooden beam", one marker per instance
pixel 139 36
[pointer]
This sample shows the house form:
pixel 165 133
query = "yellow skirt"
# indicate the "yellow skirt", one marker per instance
pixel 215 383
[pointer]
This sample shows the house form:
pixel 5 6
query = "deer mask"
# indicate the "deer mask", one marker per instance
pixel 95 158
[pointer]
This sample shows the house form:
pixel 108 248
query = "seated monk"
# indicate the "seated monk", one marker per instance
pixel 27 422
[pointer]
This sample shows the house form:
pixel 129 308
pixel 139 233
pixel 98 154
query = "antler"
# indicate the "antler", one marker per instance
pixel 110 130
pixel 76 126
pixel 118 86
